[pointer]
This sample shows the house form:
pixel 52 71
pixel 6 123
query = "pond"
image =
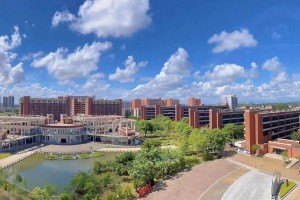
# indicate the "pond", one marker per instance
pixel 37 171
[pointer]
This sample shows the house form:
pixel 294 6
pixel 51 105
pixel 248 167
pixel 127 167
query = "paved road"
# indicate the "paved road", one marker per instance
pixel 253 185
pixel 191 185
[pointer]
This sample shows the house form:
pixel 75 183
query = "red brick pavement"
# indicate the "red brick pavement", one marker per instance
pixel 191 185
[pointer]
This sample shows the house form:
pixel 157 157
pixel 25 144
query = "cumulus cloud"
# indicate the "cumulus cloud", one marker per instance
pixel 228 73
pixel 60 17
pixel 230 41
pixel 172 75
pixel 10 74
pixel 276 68
pixel 106 18
pixel 126 75
pixel 66 67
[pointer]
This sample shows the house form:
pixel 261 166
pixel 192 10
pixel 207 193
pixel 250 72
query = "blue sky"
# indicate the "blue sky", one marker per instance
pixel 151 48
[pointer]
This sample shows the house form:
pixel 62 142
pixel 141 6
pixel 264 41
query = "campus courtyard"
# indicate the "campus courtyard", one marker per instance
pixel 236 177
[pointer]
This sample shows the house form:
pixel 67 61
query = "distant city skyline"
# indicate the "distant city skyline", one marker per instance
pixel 152 49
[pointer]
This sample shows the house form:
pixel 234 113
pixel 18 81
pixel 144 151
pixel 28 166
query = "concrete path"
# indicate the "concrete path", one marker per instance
pixel 191 185
pixel 15 158
pixel 253 185
pixel 220 187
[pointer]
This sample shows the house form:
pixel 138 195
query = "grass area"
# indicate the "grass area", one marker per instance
pixel 51 157
pixel 285 189
pixel 67 157
pixel 4 155
pixel 97 154
pixel 84 156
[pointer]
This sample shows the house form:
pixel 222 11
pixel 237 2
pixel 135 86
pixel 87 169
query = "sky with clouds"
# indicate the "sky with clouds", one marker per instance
pixel 151 48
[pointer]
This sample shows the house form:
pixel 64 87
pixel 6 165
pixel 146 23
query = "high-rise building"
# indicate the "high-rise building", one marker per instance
pixel 9 102
pixel 70 105
pixel 230 100
pixel 152 102
pixel 126 108
pixel 194 102
pixel 136 103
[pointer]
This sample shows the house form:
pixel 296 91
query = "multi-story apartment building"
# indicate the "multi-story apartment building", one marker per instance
pixel 219 118
pixel 171 102
pixel 198 115
pixel 136 103
pixel 9 102
pixel 267 129
pixel 230 100
pixel 70 105
pixel 152 102
pixel 194 102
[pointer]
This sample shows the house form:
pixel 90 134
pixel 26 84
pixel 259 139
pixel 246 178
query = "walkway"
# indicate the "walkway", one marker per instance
pixel 252 185
pixel 15 158
pixel 193 184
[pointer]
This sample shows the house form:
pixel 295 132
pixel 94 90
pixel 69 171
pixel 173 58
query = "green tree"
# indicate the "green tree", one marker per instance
pixel 295 136
pixel 64 196
pixel 256 148
pixel 124 163
pixel 233 132
pixel 216 141
pixel 39 194
pixel 198 140
pixel 185 120
pixel 151 143
pixel 51 190
pixel 99 167
pixel 106 179
pixel 145 126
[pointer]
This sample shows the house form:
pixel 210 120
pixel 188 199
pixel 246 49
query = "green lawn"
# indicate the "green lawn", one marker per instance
pixel 4 155
pixel 285 189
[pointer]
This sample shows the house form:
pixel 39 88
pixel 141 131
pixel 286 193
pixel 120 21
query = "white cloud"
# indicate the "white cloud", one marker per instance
pixel 228 73
pixel 127 75
pixel 276 68
pixel 230 41
pixel 106 18
pixel 172 75
pixel 68 67
pixel 10 74
pixel 60 17
pixel 272 65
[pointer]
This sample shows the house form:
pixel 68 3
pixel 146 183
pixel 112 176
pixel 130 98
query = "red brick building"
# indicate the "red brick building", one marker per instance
pixel 219 118
pixel 267 129
pixel 194 102
pixel 70 105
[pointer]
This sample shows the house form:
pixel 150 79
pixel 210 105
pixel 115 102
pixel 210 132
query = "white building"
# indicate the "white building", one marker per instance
pixel 230 100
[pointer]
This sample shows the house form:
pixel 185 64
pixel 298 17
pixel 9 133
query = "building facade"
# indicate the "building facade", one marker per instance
pixel 268 129
pixel 219 118
pixel 70 105
pixel 21 131
pixel 171 102
pixel 194 102
pixel 230 100
pixel 8 102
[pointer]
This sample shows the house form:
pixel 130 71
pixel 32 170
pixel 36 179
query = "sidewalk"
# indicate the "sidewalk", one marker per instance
pixel 6 162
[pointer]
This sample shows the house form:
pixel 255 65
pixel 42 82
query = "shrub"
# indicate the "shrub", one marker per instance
pixel 83 156
pixel 67 157
pixel 51 157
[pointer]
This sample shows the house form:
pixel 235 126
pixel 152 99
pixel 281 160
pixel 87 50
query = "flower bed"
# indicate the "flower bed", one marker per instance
pixel 67 157
pixel 51 157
